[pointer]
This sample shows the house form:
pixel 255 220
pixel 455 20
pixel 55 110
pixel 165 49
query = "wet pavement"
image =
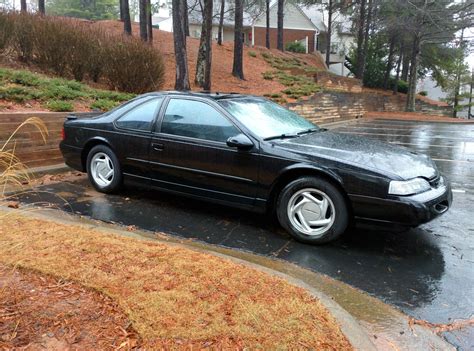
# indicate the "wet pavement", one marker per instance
pixel 427 272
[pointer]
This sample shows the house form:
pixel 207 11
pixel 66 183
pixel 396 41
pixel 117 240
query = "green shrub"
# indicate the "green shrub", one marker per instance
pixel 133 66
pixel 268 75
pixel 295 46
pixel 16 94
pixel 59 106
pixel 423 93
pixel 252 54
pixel 104 104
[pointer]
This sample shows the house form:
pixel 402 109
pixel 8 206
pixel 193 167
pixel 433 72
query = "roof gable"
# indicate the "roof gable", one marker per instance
pixel 294 18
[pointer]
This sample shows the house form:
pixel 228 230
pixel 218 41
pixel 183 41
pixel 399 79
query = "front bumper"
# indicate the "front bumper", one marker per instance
pixel 404 210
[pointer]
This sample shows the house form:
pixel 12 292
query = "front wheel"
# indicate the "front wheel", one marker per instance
pixel 103 169
pixel 312 210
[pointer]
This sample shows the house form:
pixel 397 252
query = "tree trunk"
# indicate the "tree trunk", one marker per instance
pixel 360 40
pixel 121 10
pixel 281 6
pixel 23 7
pixel 405 65
pixel 329 33
pixel 143 19
pixel 411 97
pixel 127 24
pixel 238 69
pixel 182 73
pixel 149 21
pixel 470 96
pixel 399 63
pixel 267 31
pixel 185 18
pixel 221 23
pixel 368 21
pixel 388 69
pixel 203 65
pixel 458 78
pixel 41 7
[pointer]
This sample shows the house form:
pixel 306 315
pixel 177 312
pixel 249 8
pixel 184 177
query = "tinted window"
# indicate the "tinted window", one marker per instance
pixel 141 117
pixel 196 120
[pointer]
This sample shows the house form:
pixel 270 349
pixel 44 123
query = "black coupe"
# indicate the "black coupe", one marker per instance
pixel 249 152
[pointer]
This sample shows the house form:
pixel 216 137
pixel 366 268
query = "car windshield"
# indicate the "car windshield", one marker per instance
pixel 267 119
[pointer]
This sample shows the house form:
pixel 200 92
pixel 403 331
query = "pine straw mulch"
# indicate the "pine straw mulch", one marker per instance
pixel 41 312
pixel 174 297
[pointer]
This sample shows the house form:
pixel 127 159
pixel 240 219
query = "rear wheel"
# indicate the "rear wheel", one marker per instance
pixel 312 210
pixel 103 169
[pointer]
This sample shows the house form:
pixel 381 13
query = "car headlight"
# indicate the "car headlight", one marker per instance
pixel 408 187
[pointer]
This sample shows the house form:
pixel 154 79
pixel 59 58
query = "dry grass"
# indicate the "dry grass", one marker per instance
pixel 174 297
pixel 13 173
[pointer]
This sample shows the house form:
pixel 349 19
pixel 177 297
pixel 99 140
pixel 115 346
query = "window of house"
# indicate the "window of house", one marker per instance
pixel 196 119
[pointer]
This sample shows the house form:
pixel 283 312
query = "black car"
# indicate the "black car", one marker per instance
pixel 248 152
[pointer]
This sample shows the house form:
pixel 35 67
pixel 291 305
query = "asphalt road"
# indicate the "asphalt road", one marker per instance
pixel 427 272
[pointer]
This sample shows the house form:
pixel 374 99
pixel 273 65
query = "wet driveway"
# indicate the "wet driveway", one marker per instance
pixel 427 272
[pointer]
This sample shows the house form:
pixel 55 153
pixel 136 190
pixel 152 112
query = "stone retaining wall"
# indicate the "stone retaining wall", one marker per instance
pixel 333 106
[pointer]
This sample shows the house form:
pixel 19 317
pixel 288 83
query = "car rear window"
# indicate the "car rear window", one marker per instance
pixel 140 117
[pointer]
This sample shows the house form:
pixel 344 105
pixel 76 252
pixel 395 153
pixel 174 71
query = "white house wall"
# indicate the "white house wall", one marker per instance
pixel 292 19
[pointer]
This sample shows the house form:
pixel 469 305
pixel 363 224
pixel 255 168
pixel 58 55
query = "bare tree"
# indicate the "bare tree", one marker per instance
pixel 267 31
pixel 329 32
pixel 280 14
pixel 203 65
pixel 388 68
pixel 41 7
pixel 399 63
pixel 142 4
pixel 127 23
pixel 221 22
pixel 149 21
pixel 360 38
pixel 185 15
pixel 182 73
pixel 121 10
pixel 238 67
pixel 23 7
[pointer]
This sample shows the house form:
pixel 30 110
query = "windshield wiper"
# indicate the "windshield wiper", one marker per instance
pixel 282 136
pixel 310 130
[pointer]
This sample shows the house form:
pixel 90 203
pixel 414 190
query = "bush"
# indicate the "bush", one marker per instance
pixel 71 48
pixel 296 46
pixel 59 106
pixel 423 93
pixel 6 31
pixel 133 66
pixel 252 54
pixel 23 37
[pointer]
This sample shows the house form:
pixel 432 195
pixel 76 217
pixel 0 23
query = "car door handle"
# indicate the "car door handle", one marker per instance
pixel 157 147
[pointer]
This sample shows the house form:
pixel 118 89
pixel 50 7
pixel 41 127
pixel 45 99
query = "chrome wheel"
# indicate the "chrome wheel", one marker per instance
pixel 102 169
pixel 311 212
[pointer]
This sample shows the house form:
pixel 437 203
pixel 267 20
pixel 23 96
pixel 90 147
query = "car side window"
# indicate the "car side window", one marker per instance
pixel 196 119
pixel 140 117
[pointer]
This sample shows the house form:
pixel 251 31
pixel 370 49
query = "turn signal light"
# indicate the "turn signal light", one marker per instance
pixel 63 134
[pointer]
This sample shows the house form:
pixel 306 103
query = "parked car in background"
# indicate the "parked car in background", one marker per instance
pixel 251 153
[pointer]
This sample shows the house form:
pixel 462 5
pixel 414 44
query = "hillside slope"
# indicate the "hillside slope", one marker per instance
pixel 222 59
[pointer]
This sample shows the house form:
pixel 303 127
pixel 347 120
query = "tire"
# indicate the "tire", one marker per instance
pixel 101 160
pixel 303 201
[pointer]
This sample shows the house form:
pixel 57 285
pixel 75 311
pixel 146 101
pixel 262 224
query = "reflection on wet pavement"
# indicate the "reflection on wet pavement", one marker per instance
pixel 427 272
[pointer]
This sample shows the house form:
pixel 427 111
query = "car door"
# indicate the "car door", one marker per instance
pixel 189 153
pixel 133 136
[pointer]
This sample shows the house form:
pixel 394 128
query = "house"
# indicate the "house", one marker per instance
pixel 304 24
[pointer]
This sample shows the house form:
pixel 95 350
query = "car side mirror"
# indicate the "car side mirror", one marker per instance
pixel 240 141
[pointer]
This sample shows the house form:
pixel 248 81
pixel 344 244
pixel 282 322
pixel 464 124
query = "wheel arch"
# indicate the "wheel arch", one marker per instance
pixel 88 147
pixel 297 171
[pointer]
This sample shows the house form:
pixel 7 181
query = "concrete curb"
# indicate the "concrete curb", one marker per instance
pixel 348 324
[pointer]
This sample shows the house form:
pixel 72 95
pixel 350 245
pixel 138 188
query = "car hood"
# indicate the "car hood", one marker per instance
pixel 363 152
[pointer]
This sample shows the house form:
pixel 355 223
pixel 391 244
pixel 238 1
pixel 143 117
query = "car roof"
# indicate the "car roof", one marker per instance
pixel 202 94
